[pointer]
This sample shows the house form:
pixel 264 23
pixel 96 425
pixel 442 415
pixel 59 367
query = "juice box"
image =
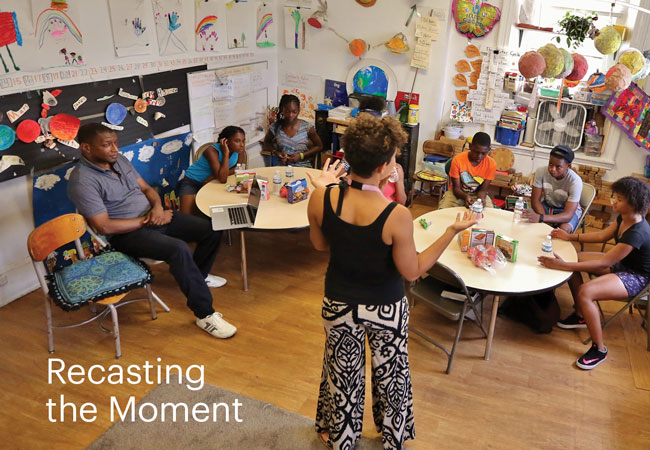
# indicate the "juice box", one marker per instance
pixel 463 240
pixel 478 236
pixel 297 191
pixel 242 178
pixel 263 183
pixel 508 247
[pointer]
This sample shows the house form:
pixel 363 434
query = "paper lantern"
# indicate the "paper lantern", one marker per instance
pixel 474 18
pixel 646 67
pixel 608 40
pixel 596 82
pixel 358 47
pixel 554 61
pixel 398 44
pixel 115 113
pixel 64 126
pixel 7 137
pixel 580 68
pixel 568 63
pixel 28 130
pixel 531 64
pixel 366 3
pixel 634 60
pixel 618 78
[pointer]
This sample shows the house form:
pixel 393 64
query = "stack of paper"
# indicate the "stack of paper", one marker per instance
pixel 340 112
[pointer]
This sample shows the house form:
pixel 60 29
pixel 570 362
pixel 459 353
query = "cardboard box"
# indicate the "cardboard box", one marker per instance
pixel 263 183
pixel 478 236
pixel 463 240
pixel 297 191
pixel 508 247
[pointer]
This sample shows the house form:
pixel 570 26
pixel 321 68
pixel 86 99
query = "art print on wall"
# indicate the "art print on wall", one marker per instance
pixel 239 16
pixel 210 30
pixel 265 33
pixel 132 31
pixel 295 27
pixel 628 110
pixel 59 40
pixel 308 102
pixel 171 26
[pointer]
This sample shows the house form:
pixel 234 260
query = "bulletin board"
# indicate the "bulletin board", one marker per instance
pixel 236 95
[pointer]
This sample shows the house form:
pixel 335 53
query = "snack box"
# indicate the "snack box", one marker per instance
pixel 508 247
pixel 297 191
pixel 478 236
pixel 242 178
pixel 512 199
pixel 263 183
pixel 463 240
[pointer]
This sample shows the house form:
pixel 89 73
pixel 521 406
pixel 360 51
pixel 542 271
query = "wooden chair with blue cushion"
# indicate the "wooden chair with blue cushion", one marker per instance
pixel 104 279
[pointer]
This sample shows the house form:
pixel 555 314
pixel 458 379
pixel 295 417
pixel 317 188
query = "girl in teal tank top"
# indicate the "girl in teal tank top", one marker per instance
pixel 231 146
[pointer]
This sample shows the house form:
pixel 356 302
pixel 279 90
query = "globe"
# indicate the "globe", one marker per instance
pixel 371 80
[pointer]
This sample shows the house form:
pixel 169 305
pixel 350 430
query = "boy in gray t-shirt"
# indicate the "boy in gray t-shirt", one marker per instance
pixel 556 192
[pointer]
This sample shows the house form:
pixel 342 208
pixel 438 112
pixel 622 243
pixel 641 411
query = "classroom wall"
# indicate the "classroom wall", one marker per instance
pixel 16 273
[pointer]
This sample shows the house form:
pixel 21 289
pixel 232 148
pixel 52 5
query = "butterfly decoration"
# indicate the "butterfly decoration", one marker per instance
pixel 474 18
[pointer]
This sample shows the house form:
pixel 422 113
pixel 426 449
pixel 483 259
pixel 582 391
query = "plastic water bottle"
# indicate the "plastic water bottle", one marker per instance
pixel 477 208
pixel 547 245
pixel 277 182
pixel 519 210
pixel 288 172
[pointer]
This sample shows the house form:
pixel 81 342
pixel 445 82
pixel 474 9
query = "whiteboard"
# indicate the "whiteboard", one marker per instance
pixel 236 95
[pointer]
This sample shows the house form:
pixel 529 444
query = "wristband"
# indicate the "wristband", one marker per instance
pixel 541 218
pixel 302 156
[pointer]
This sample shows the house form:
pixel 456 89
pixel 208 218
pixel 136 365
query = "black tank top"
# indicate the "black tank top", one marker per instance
pixel 361 268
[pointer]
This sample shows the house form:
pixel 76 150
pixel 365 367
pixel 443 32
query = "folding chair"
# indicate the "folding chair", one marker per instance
pixel 104 279
pixel 430 289
pixel 631 302
pixel 586 198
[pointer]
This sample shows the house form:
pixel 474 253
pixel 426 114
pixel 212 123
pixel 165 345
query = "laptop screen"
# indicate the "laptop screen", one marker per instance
pixel 254 199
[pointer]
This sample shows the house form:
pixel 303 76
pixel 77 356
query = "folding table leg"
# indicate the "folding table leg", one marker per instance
pixel 493 321
pixel 244 269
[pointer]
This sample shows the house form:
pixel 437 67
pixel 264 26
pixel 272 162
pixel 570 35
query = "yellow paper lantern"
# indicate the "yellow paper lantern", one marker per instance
pixel 554 61
pixel 608 40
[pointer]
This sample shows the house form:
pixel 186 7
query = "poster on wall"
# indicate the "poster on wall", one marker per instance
pixel 16 37
pixel 308 102
pixel 265 33
pixel 240 20
pixel 171 26
pixel 295 27
pixel 132 30
pixel 210 30
pixel 57 29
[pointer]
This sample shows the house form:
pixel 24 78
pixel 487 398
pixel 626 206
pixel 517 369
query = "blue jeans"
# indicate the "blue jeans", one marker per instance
pixel 553 210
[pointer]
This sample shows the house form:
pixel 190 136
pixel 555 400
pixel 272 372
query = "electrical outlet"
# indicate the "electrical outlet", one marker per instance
pixel 3 280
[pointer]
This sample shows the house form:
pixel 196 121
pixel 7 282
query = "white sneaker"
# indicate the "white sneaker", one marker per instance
pixel 213 281
pixel 216 326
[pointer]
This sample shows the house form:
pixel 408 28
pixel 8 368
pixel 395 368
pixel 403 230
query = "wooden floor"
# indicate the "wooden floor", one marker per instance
pixel 529 395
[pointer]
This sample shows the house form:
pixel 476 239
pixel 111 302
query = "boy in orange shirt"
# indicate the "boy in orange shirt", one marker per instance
pixel 470 175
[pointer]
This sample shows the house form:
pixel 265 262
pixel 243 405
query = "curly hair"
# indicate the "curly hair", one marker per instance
pixel 635 191
pixel 370 142
pixel 286 100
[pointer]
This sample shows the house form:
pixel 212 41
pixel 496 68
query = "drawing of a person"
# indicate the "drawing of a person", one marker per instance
pixel 65 55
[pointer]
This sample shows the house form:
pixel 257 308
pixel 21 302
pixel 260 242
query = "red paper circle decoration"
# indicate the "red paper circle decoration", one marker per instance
pixel 64 126
pixel 28 130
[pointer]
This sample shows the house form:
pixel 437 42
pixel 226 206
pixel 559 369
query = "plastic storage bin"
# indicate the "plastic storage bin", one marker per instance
pixel 506 136
pixel 593 143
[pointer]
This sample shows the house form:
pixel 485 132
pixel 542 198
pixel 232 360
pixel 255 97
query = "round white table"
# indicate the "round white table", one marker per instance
pixel 526 276
pixel 276 213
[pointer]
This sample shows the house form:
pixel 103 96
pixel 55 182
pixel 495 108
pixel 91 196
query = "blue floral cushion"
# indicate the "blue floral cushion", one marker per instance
pixel 93 279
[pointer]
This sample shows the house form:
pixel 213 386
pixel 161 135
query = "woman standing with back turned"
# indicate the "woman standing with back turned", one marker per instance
pixel 371 246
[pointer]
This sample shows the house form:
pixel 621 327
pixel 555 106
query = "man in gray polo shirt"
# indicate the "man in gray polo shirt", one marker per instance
pixel 119 204
pixel 556 192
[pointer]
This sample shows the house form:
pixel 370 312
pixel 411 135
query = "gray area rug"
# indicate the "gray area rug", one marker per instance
pixel 263 426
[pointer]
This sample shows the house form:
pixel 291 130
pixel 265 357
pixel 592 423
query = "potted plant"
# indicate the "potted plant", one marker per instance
pixel 576 28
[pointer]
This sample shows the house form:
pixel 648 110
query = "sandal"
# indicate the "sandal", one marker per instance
pixel 324 438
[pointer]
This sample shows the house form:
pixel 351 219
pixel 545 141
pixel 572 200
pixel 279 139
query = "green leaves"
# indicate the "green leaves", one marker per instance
pixel 576 28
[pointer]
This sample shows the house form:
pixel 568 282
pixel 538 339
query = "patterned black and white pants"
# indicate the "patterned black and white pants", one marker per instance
pixel 342 387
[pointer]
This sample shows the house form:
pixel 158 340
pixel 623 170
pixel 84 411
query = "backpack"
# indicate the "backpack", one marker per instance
pixel 539 311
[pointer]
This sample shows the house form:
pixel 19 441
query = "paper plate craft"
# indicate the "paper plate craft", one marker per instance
pixel 140 105
pixel 398 44
pixel 374 77
pixel 504 158
pixel 580 67
pixel 474 76
pixel 461 112
pixel 477 64
pixel 461 95
pixel 474 18
pixel 7 137
pixel 634 60
pixel 596 82
pixel 366 3
pixel 571 84
pixel 618 77
pixel 28 130
pixel 568 63
pixel 531 64
pixel 115 113
pixel 460 80
pixel 463 66
pixel 358 47
pixel 554 61
pixel 608 40
pixel 472 51
pixel 64 127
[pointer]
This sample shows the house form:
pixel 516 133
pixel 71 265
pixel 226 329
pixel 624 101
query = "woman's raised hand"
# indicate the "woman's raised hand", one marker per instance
pixel 223 142
pixel 467 220
pixel 329 174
